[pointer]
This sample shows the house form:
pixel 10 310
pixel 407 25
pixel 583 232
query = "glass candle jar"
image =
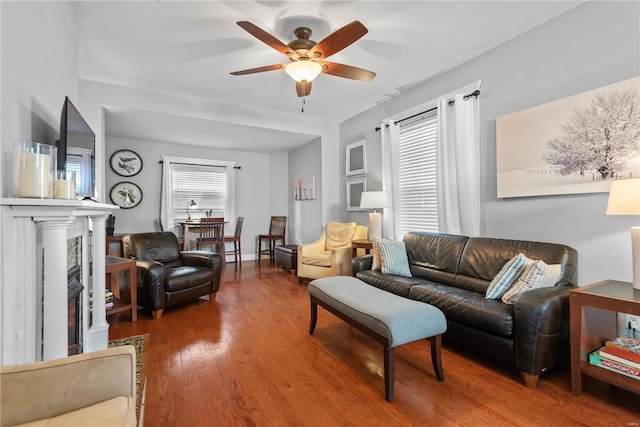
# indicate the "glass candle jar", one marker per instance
pixel 65 185
pixel 34 166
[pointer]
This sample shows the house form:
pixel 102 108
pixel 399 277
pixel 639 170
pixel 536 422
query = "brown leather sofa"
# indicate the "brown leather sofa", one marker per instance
pixel 168 276
pixel 453 272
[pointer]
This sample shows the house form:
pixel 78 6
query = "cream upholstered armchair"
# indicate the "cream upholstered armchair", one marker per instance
pixel 90 389
pixel 330 255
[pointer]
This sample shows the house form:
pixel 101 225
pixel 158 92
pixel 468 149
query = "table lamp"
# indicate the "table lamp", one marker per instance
pixel 624 199
pixel 192 205
pixel 374 200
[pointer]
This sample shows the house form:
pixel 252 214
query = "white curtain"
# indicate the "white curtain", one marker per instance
pixel 166 216
pixel 458 160
pixel 390 133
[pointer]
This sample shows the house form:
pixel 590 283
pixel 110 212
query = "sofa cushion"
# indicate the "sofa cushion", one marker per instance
pixel 507 277
pixel 536 275
pixel 339 235
pixel 394 257
pixel 483 258
pixel 467 307
pixel 398 285
pixel 434 256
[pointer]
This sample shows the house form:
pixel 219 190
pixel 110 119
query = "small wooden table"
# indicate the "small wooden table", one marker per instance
pixel 593 320
pixel 113 265
pixel 365 244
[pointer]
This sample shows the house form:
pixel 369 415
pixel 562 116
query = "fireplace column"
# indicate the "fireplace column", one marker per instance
pixel 54 287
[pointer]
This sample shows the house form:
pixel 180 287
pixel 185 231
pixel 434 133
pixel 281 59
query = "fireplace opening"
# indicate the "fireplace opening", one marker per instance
pixel 74 293
pixel 74 327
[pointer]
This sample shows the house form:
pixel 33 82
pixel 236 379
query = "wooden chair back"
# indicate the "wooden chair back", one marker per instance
pixel 277 226
pixel 211 232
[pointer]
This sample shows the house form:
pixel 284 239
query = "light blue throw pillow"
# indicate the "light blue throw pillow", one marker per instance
pixel 393 255
pixel 507 277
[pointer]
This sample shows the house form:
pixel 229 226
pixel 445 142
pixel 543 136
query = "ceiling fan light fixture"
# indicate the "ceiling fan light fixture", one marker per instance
pixel 303 70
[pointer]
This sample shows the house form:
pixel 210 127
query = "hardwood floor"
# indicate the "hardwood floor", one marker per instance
pixel 247 359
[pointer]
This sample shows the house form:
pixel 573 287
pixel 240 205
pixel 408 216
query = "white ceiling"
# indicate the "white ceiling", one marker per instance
pixel 189 48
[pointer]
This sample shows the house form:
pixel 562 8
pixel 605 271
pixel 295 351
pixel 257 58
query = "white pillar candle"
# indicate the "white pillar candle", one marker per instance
pixel 34 176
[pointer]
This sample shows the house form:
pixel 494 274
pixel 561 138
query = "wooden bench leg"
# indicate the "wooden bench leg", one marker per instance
pixel 389 372
pixel 314 317
pixel 436 360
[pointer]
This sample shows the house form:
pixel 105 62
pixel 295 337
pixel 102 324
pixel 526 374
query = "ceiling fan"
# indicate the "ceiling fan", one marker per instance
pixel 308 58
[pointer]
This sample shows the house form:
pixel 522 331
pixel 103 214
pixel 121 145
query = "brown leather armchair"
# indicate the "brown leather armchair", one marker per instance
pixel 168 276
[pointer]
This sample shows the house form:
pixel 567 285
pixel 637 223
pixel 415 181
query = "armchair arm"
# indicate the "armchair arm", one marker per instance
pixel 40 390
pixel 542 329
pixel 151 277
pixel 309 248
pixel 207 259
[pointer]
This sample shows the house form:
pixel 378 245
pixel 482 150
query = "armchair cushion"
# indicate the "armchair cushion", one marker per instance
pixel 339 235
pixel 322 259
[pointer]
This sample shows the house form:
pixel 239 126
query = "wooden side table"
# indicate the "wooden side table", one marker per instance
pixel 365 244
pixel 593 320
pixel 113 265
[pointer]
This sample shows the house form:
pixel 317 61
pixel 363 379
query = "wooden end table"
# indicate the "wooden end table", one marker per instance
pixel 365 244
pixel 112 265
pixel 593 320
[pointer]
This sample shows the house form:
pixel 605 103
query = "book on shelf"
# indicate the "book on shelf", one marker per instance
pixel 108 305
pixel 607 354
pixel 627 348
pixel 597 360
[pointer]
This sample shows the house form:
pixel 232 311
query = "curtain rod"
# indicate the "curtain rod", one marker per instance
pixel 191 164
pixel 475 93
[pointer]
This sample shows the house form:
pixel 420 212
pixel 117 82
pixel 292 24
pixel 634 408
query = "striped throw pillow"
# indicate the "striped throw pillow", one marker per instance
pixel 393 255
pixel 507 276
pixel 537 275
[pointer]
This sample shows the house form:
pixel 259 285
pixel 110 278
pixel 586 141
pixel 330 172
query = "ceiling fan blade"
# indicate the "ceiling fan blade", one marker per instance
pixel 346 71
pixel 265 37
pixel 303 88
pixel 259 69
pixel 338 40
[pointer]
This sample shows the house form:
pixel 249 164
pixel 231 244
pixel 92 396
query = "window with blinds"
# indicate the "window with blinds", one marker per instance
pixel 203 183
pixel 417 199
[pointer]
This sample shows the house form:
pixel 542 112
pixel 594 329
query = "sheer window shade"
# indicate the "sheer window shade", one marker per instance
pixel 205 184
pixel 417 198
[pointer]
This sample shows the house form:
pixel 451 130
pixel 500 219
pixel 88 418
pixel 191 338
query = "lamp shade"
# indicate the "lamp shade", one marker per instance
pixel 624 197
pixel 303 70
pixel 374 200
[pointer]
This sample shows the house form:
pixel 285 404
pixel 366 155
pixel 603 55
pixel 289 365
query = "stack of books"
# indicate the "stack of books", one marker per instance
pixel 108 299
pixel 621 355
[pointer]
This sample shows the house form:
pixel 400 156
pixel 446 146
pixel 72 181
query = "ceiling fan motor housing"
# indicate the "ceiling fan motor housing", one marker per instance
pixel 302 43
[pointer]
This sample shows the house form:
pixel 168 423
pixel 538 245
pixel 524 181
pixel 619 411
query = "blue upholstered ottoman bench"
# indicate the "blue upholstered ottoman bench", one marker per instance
pixel 389 319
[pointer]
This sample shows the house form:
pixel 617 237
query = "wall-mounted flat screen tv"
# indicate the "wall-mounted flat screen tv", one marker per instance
pixel 76 149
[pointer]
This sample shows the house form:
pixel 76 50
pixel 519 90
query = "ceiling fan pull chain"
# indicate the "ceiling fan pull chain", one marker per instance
pixel 303 105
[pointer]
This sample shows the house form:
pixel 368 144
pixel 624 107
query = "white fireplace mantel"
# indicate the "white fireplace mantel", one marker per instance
pixel 33 287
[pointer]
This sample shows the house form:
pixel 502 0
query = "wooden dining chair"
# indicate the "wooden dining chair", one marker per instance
pixel 235 239
pixel 276 233
pixel 211 233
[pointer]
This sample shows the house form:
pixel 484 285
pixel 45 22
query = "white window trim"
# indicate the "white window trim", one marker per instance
pixel 166 214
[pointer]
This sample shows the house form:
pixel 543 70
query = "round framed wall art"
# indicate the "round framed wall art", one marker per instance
pixel 127 195
pixel 126 162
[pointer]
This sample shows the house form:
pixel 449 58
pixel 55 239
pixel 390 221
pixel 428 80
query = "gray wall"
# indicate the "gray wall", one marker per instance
pixel 590 46
pixel 258 186
pixel 305 217
pixel 39 68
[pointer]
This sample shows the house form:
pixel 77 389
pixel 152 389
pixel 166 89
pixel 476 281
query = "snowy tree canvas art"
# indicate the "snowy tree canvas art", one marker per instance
pixel 573 145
